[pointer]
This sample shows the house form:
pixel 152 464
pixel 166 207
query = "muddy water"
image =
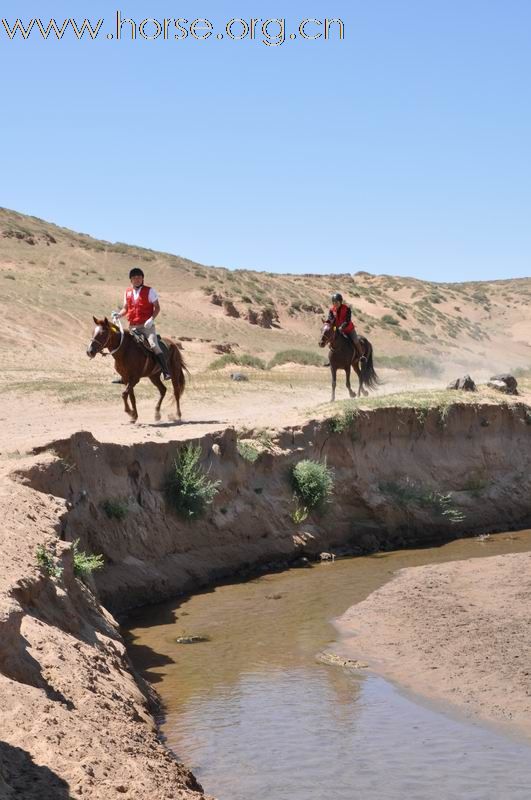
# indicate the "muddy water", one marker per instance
pixel 256 717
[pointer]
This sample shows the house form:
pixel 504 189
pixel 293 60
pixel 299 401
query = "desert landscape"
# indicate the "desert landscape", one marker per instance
pixel 414 463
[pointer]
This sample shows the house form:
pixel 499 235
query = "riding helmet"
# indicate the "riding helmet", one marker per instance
pixel 337 298
pixel 135 271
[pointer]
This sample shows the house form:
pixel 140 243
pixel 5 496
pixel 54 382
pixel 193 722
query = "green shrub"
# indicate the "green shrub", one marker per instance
pixel 46 562
pixel 188 490
pixel 344 421
pixel 304 357
pixel 312 483
pixel 115 508
pixel 390 320
pixel 85 563
pixel 243 360
pixel 248 451
pixel 299 514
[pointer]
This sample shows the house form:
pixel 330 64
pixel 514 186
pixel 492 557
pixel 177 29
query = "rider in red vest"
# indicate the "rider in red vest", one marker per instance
pixel 340 315
pixel 141 305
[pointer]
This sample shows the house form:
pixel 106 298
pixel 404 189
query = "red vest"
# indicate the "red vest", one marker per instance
pixel 340 316
pixel 140 310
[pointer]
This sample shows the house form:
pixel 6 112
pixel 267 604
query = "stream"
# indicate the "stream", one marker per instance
pixel 255 716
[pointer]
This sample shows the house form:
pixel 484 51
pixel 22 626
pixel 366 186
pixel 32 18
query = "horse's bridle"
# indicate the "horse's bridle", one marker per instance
pixel 106 342
pixel 330 339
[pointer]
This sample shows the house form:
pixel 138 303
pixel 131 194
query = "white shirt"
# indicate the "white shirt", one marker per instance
pixel 152 297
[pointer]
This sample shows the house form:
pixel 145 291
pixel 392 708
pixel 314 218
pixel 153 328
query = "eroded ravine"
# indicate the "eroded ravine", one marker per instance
pixel 65 673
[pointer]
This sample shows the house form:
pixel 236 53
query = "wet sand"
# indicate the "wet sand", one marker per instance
pixel 455 633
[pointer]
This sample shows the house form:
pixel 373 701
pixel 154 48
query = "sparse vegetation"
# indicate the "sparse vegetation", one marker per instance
pixel 243 360
pixel 344 421
pixel 47 562
pixel 305 357
pixel 188 489
pixel 85 563
pixel 390 320
pixel 115 508
pixel 407 493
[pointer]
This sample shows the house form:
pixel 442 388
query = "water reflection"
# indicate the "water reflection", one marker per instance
pixel 254 714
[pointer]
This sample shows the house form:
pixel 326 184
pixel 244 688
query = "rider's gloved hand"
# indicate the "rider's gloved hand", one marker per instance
pixel 115 315
pixel 149 323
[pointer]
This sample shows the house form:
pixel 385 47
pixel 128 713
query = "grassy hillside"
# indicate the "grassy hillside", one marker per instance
pixel 55 279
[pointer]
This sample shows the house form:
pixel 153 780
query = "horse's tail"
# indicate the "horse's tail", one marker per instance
pixel 368 374
pixel 177 370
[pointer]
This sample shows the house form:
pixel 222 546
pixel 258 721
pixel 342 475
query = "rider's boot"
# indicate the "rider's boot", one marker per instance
pixel 161 358
pixel 118 380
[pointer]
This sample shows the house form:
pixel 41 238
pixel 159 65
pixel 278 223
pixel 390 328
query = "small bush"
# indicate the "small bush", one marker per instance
pixel 188 490
pixel 312 483
pixel 344 421
pixel 46 562
pixel 243 360
pixel 304 357
pixel 84 563
pixel 248 451
pixel 299 515
pixel 115 509
pixel 390 320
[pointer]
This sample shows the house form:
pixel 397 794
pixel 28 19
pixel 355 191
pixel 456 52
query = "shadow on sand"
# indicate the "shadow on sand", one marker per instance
pixel 21 778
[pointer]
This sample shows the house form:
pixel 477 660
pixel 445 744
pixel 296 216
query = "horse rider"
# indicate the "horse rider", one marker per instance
pixel 340 315
pixel 141 305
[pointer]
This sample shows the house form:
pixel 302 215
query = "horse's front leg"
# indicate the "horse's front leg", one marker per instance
pixel 125 396
pixel 129 394
pixel 134 413
pixel 333 371
pixel 351 393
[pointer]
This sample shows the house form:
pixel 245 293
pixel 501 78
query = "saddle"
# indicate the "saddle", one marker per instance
pixel 144 344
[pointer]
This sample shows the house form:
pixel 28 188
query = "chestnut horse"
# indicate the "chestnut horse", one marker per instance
pixel 133 362
pixel 344 356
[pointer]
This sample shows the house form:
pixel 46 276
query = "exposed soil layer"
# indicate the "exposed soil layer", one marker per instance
pixel 74 718
pixel 458 633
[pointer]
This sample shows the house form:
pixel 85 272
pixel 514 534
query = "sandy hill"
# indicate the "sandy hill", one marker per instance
pixel 55 279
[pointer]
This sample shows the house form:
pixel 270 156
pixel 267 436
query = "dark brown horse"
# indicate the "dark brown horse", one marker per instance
pixel 133 362
pixel 344 356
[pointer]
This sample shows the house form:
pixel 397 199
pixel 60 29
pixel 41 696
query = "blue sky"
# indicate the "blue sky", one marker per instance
pixel 404 149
